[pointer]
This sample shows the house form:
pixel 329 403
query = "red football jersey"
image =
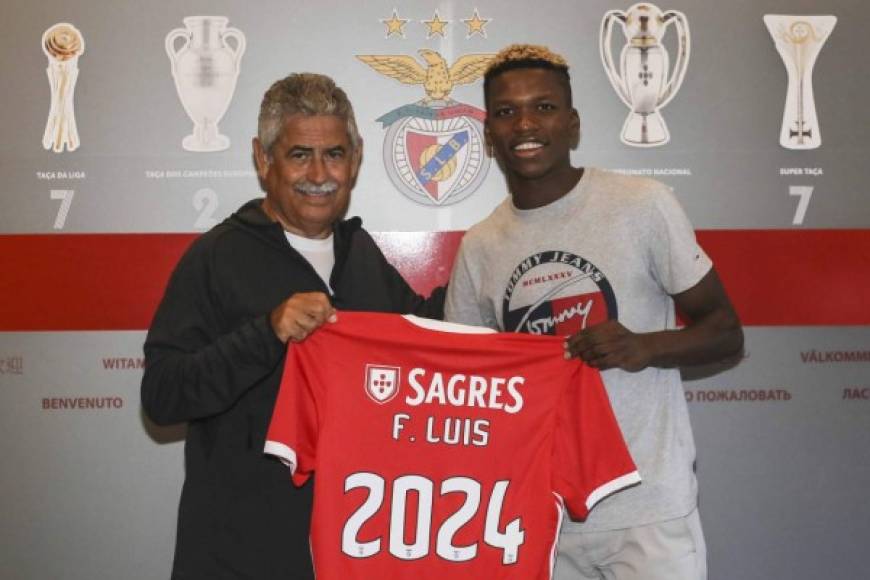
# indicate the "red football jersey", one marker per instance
pixel 442 451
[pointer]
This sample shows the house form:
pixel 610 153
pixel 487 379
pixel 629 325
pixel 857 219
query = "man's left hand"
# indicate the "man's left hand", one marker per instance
pixel 609 345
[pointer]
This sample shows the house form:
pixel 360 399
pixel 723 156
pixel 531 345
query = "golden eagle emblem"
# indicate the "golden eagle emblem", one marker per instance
pixel 436 77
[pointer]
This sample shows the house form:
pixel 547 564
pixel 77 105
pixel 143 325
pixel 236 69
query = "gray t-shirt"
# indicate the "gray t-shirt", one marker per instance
pixel 613 247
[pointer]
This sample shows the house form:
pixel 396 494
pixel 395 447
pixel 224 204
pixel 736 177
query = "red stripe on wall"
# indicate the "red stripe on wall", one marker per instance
pixel 794 277
pixel 115 281
pixel 85 281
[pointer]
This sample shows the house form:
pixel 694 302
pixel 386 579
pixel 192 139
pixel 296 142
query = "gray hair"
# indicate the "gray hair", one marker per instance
pixel 303 94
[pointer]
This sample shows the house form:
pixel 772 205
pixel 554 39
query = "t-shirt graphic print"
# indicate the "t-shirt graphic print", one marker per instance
pixel 556 292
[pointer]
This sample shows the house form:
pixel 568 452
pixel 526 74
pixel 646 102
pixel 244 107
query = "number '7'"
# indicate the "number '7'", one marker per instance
pixel 805 192
pixel 65 196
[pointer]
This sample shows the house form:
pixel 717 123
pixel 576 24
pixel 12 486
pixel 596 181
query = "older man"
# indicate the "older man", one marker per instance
pixel 271 272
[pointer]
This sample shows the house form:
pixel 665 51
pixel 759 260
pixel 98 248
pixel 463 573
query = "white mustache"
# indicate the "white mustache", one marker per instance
pixel 308 188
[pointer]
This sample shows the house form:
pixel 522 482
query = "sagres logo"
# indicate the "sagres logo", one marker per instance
pixel 382 382
pixel 434 148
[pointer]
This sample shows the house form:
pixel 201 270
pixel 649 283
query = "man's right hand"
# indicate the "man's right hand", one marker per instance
pixel 300 315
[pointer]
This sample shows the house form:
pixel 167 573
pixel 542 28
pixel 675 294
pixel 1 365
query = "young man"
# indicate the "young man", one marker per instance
pixel 601 259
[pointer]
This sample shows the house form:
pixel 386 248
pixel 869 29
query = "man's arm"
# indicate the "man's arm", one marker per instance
pixel 186 378
pixel 195 366
pixel 368 281
pixel 712 333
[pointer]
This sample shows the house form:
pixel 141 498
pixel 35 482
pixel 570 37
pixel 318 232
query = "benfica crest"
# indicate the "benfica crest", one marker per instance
pixel 434 148
pixel 382 382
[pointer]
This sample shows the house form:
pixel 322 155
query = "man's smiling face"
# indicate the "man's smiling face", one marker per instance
pixel 531 125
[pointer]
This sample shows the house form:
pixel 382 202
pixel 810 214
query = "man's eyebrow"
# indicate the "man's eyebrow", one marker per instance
pixel 309 149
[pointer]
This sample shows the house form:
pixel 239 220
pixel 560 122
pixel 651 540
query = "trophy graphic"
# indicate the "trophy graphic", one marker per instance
pixel 799 40
pixel 205 68
pixel 644 80
pixel 62 44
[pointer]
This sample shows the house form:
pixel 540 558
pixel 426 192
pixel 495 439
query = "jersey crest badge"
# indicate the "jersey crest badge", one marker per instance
pixel 382 383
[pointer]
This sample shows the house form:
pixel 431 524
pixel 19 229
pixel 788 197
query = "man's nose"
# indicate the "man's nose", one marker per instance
pixel 525 120
pixel 316 170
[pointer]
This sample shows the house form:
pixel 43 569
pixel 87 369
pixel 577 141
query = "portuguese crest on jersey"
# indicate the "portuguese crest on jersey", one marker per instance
pixel 556 292
pixel 434 148
pixel 382 382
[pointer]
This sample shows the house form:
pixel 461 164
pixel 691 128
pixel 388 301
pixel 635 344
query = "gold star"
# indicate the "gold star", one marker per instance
pixel 395 25
pixel 436 26
pixel 475 24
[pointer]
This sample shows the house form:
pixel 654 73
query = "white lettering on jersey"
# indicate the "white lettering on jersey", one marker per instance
pixel 461 390
pixel 508 541
pixel 398 424
pixel 457 431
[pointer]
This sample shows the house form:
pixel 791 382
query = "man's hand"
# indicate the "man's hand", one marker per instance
pixel 712 333
pixel 300 315
pixel 609 345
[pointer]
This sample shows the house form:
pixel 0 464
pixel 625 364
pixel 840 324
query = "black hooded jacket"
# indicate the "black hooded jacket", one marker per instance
pixel 213 360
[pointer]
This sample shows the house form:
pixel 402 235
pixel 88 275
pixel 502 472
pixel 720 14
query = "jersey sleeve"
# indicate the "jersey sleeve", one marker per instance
pixel 293 430
pixel 590 458
pixel 678 261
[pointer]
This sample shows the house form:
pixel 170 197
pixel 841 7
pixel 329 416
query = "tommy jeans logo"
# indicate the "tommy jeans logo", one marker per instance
pixel 556 292
pixel 382 382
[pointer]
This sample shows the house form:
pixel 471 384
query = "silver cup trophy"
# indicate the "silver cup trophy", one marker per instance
pixel 205 68
pixel 644 80
pixel 799 40
pixel 63 44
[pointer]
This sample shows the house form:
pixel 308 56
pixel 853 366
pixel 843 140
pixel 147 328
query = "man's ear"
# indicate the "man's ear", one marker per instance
pixel 486 139
pixel 357 161
pixel 575 129
pixel 261 158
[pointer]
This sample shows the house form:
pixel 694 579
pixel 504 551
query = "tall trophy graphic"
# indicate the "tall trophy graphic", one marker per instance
pixel 63 44
pixel 799 40
pixel 644 81
pixel 205 68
